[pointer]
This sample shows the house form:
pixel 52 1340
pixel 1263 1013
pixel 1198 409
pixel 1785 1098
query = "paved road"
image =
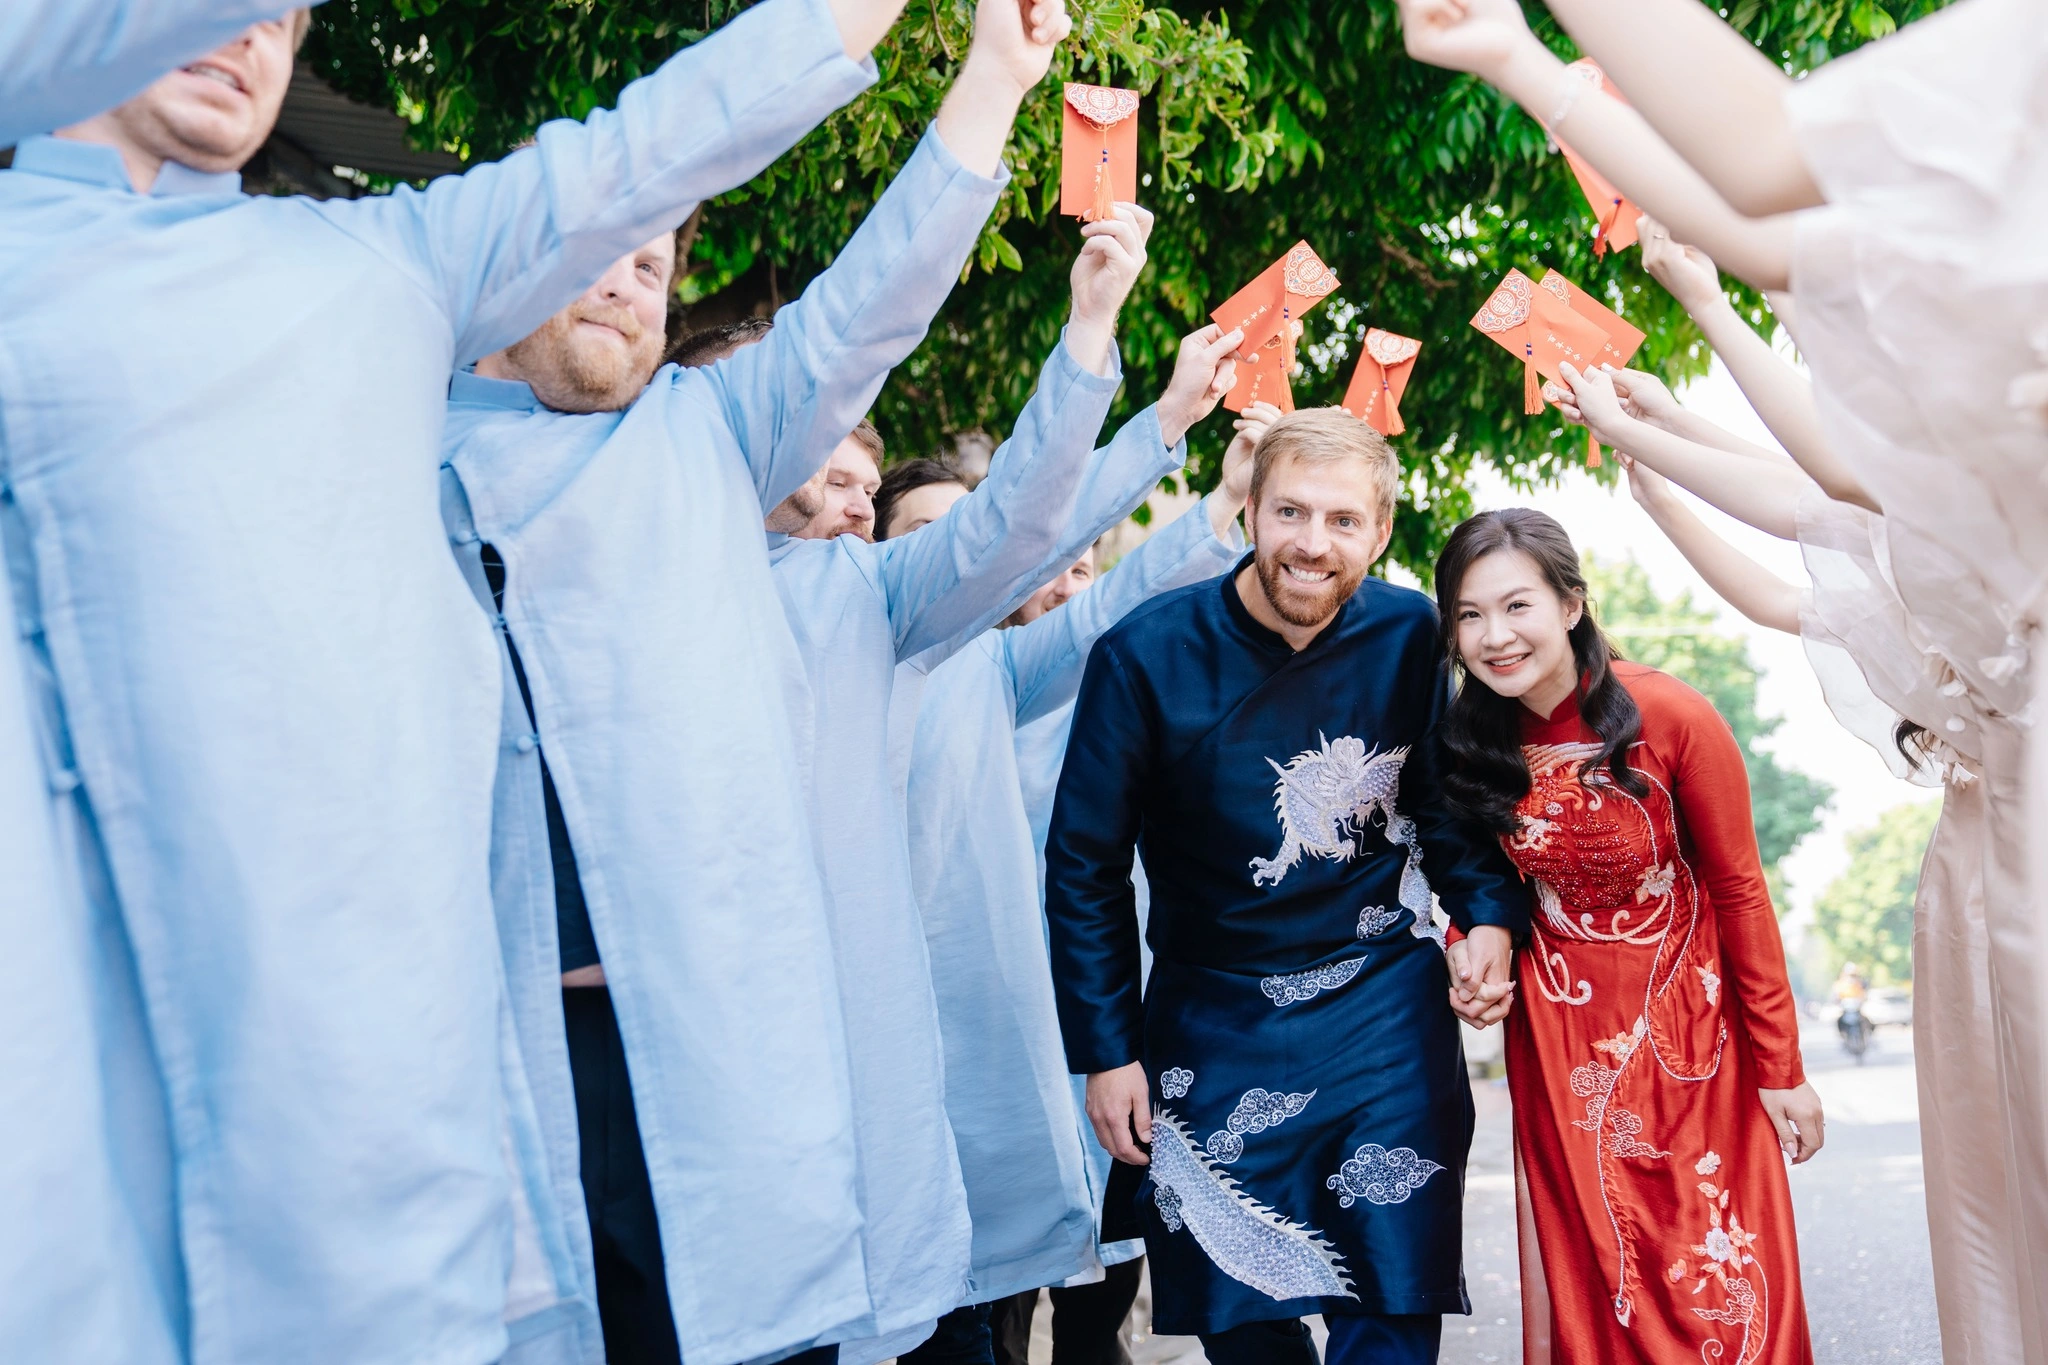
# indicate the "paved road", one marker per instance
pixel 1862 1226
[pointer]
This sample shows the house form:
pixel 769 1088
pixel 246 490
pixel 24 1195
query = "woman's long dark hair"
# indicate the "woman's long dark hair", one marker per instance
pixel 1482 730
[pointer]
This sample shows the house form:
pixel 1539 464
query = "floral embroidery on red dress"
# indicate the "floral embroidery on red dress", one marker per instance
pixel 1725 1257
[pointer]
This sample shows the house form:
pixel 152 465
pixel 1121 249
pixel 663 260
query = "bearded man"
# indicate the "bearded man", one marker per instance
pixel 667 935
pixel 281 776
pixel 1293 1063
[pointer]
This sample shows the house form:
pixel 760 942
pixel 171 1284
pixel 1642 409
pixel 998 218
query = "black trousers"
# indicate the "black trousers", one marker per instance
pixel 1087 1321
pixel 1372 1339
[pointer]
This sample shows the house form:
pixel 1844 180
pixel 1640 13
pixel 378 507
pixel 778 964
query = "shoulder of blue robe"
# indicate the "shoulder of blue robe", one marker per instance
pixel 793 396
pixel 504 245
pixel 947 582
pixel 62 61
pixel 1047 657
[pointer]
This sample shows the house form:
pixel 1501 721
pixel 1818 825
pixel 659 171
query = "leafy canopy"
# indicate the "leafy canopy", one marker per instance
pixel 1866 914
pixel 1267 121
pixel 1679 637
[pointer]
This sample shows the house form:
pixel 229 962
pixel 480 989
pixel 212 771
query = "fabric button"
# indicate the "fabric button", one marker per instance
pixel 65 781
pixel 526 744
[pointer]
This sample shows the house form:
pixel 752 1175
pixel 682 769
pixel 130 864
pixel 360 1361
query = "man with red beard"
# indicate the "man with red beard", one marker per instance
pixel 1286 1098
pixel 668 946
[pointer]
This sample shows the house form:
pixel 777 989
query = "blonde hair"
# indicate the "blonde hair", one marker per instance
pixel 1318 435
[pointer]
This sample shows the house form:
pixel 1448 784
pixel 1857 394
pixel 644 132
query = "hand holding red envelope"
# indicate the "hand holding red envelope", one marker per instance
pixel 1269 310
pixel 1098 151
pixel 1548 323
pixel 1381 378
pixel 1616 215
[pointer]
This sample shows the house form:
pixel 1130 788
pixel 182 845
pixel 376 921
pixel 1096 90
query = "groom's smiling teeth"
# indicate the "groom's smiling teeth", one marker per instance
pixel 1309 576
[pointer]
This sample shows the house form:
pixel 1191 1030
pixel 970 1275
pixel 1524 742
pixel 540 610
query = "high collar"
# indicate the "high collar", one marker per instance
pixel 1565 713
pixel 95 163
pixel 467 386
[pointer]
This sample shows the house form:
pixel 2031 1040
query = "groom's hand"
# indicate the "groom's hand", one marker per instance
pixel 1120 1107
pixel 1482 983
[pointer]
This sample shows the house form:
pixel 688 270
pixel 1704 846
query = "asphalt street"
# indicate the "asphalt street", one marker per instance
pixel 1862 1225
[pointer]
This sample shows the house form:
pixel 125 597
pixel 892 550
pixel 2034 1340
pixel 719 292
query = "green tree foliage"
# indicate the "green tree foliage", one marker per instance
pixel 1866 914
pixel 1685 640
pixel 1267 121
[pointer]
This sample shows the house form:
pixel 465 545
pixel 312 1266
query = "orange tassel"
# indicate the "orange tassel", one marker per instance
pixel 1105 194
pixel 1606 229
pixel 1287 339
pixel 1394 424
pixel 1592 451
pixel 1532 390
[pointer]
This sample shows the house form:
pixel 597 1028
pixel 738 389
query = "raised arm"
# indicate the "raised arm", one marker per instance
pixel 1091 908
pixel 1491 39
pixel 795 395
pixel 1740 581
pixel 507 244
pixel 1046 658
pixel 1780 394
pixel 1763 494
pixel 65 60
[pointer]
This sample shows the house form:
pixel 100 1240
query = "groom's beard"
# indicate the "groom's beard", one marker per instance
pixel 1303 604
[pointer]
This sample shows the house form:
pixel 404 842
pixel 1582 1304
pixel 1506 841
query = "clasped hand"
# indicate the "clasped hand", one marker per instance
pixel 1482 979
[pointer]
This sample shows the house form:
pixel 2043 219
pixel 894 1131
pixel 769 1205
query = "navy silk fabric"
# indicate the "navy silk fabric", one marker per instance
pixel 1312 1113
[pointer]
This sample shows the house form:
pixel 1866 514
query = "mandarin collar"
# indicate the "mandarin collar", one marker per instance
pixel 95 163
pixel 467 386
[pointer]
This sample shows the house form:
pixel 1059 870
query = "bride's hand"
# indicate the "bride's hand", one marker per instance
pixel 1480 36
pixel 1795 1113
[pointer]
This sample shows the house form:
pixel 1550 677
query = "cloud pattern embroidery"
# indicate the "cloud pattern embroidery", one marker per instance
pixel 1175 1081
pixel 1299 986
pixel 1380 1176
pixel 1256 1111
pixel 1375 920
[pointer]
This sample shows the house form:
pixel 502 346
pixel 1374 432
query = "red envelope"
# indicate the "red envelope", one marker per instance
pixel 1263 379
pixel 1270 305
pixel 1098 151
pixel 1538 324
pixel 1623 339
pixel 1615 214
pixel 1381 378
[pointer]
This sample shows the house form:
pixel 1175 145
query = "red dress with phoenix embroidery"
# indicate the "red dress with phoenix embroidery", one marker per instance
pixel 1652 1004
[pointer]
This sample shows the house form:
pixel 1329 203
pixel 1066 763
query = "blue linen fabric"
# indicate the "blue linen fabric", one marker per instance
pixel 65 60
pixel 667 692
pixel 974 864
pixel 221 420
pixel 1291 861
pixel 1041 750
pixel 857 610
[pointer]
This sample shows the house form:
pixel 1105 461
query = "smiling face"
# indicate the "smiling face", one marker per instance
pixel 1062 590
pixel 1514 629
pixel 597 354
pixel 1317 530
pixel 212 114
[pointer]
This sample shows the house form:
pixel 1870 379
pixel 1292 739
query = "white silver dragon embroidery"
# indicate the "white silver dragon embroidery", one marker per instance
pixel 1248 1241
pixel 1324 799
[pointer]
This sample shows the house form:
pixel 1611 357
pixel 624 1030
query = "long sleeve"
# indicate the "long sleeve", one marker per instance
pixel 1710 786
pixel 505 245
pixel 1118 480
pixel 794 396
pixel 65 60
pixel 1090 906
pixel 1047 658
pixel 947 582
pixel 1463 861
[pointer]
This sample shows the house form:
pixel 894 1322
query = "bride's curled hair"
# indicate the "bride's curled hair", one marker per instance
pixel 1482 730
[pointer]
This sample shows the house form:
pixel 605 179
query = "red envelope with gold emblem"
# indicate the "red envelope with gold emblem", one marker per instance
pixel 1263 379
pixel 1271 305
pixel 1623 338
pixel 1382 376
pixel 1615 214
pixel 1098 151
pixel 1538 324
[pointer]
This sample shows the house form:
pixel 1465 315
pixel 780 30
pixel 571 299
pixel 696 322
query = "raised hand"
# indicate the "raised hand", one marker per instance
pixel 1202 375
pixel 1227 499
pixel 1112 255
pixel 1480 36
pixel 1651 490
pixel 1596 404
pixel 1684 270
pixel 1003 42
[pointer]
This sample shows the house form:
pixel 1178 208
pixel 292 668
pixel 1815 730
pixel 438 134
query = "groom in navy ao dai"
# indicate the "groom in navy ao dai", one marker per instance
pixel 1294 1060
